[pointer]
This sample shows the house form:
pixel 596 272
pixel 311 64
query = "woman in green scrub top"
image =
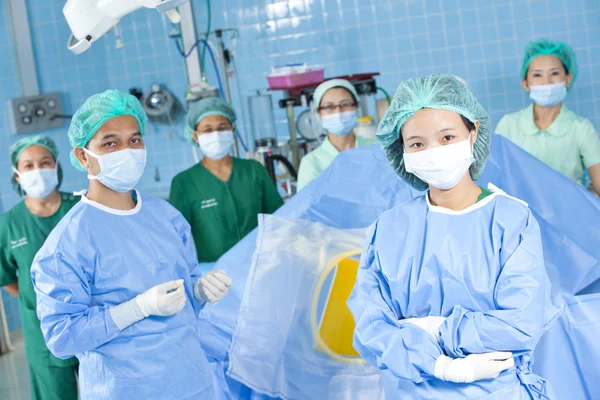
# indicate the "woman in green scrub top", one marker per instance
pixel 547 129
pixel 221 196
pixel 336 103
pixel 23 230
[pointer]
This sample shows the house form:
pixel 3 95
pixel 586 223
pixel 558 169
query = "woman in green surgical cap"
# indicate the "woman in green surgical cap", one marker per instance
pixel 336 103
pixel 23 229
pixel 547 129
pixel 221 196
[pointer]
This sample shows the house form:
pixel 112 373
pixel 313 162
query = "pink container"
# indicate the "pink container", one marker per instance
pixel 296 80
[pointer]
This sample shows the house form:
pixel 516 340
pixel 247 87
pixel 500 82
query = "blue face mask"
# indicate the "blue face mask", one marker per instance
pixel 340 124
pixel 39 183
pixel 120 170
pixel 548 95
pixel 216 145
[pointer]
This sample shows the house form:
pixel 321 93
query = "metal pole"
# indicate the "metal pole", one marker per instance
pixel 363 105
pixel 5 343
pixel 23 44
pixel 293 136
pixel 219 34
pixel 226 89
pixel 188 34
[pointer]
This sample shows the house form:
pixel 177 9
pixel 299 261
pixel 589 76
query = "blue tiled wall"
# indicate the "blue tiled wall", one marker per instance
pixel 9 87
pixel 479 40
pixel 149 56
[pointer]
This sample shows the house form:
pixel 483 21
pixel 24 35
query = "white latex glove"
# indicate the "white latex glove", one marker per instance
pixel 163 300
pixel 473 367
pixel 431 325
pixel 213 286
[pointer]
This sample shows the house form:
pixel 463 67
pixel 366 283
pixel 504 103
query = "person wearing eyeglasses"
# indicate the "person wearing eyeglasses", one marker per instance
pixel 336 104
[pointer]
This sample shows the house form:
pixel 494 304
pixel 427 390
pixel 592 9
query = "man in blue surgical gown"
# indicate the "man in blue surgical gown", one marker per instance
pixel 452 295
pixel 117 282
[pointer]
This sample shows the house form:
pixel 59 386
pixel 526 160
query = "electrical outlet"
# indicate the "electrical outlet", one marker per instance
pixel 35 113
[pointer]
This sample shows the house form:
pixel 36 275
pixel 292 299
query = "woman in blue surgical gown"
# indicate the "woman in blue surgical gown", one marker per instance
pixel 452 296
pixel 117 282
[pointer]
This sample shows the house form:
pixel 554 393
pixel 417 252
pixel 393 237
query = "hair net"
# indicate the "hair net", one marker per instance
pixel 439 92
pixel 98 109
pixel 19 146
pixel 330 84
pixel 207 107
pixel 562 51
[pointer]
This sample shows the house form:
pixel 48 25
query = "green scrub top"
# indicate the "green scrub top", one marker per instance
pixel 22 234
pixel 570 145
pixel 320 158
pixel 484 193
pixel 222 213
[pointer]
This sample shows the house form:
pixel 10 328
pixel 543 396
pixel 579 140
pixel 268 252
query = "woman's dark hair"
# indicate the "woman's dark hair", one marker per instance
pixel 470 125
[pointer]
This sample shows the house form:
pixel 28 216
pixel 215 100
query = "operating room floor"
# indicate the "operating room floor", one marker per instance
pixel 14 373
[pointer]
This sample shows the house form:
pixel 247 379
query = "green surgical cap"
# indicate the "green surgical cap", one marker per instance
pixel 562 51
pixel 98 109
pixel 438 92
pixel 330 84
pixel 21 145
pixel 205 108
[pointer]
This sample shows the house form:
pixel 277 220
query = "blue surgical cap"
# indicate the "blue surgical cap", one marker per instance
pixel 439 92
pixel 205 108
pixel 560 50
pixel 21 145
pixel 98 109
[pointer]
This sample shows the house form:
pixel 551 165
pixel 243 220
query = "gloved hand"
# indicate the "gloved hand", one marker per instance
pixel 431 325
pixel 473 367
pixel 163 300
pixel 213 286
pixel 156 301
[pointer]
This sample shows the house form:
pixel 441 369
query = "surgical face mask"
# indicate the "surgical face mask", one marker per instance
pixel 441 167
pixel 121 170
pixel 548 95
pixel 216 145
pixel 340 124
pixel 38 183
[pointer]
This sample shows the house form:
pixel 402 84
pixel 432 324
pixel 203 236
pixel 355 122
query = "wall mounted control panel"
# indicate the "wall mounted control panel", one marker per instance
pixel 35 113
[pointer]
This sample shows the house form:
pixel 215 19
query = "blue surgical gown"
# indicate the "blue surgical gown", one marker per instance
pixel 97 258
pixel 481 268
